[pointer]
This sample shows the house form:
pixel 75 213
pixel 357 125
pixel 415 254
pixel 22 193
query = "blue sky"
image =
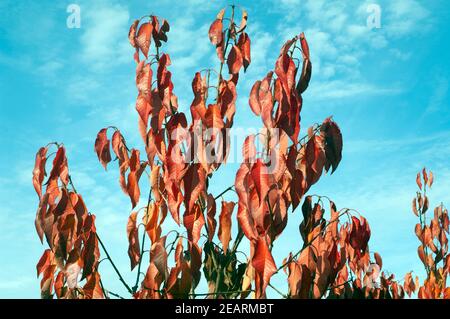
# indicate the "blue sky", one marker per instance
pixel 387 88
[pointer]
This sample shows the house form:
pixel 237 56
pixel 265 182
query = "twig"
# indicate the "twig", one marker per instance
pixel 115 295
pixel 279 292
pixel 225 191
pixel 114 266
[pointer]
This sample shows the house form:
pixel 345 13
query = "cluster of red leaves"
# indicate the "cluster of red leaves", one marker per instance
pixel 433 250
pixel 176 153
pixel 335 261
pixel 69 230
pixel 269 185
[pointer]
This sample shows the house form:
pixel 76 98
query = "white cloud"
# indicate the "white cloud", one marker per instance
pixel 80 89
pixel 338 89
pixel 405 17
pixel 438 96
pixel 104 39
pixel 339 39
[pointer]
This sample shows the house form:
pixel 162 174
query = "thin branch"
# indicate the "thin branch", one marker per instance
pixel 225 191
pixel 113 265
pixel 115 295
pixel 278 291
pixel 140 262
pixel 103 289
pixel 143 243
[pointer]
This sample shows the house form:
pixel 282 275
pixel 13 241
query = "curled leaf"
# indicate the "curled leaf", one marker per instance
pixel 225 224
pixel 134 251
pixel 215 32
pixel 102 147
pixel 143 38
pixel 234 60
pixel 39 170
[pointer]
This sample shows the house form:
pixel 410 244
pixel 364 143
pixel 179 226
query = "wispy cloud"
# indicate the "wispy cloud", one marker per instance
pixel 104 34
pixel 340 39
pixel 340 89
pixel 439 95
pixel 405 18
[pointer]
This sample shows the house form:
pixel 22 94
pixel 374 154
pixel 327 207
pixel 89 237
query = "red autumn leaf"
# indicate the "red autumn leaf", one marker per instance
pixel 422 256
pixel 161 35
pixel 158 256
pixel 255 105
pixel 45 261
pixel 118 146
pixel 260 177
pixel 144 80
pixel 211 212
pixel 297 188
pixel 249 149
pixel 93 289
pixel 425 205
pixel 226 100
pixel 409 284
pixel 430 179
pixel 305 76
pixel 225 224
pixel 304 45
pixel 136 170
pixel 425 176
pixel 359 234
pixel 89 255
pixel 378 259
pixel 39 170
pixel 220 49
pixel 73 269
pixel 419 181
pixel 194 220
pixel 246 222
pixel 215 32
pixel 198 107
pixel 120 150
pixel 278 207
pixel 266 100
pixel 132 33
pixel 143 38
pixel 263 263
pixel 59 284
pixel 194 183
pixel 308 258
pixel 234 60
pixel 333 143
pixel 213 117
pixel 165 85
pixel 195 263
pixel 261 100
pixel 134 251
pixel 241 183
pixel 151 223
pixel 155 30
pixel 244 46
pixel 59 168
pixel 414 207
pixel 244 19
pixel 102 147
pixel 285 69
